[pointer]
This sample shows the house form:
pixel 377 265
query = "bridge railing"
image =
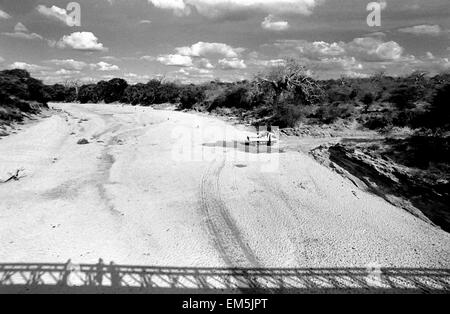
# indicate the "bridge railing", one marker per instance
pixel 158 279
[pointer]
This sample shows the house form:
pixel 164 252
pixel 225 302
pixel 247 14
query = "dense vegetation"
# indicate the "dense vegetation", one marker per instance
pixel 378 103
pixel 20 94
pixel 284 96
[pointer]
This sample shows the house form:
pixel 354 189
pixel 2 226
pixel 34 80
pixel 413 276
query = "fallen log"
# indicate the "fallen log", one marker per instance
pixel 15 177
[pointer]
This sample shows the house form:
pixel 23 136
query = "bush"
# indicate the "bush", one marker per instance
pixel 36 91
pixel 19 94
pixel 56 92
pixel 154 92
pixel 240 97
pixel 331 113
pixel 190 96
pixel 13 86
pixel 368 99
pixel 440 108
pixel 133 94
pixel 403 96
pixel 167 93
pixel 88 94
pixel 20 84
pixel 378 122
pixel 233 97
pixel 114 90
pixel 288 115
pixel 340 93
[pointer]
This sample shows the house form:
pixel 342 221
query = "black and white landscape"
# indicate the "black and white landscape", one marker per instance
pixel 224 146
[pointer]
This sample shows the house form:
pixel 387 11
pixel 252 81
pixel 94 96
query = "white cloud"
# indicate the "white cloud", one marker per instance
pixel 343 64
pixel 191 75
pixel 178 6
pixel 323 49
pixel 194 70
pixel 430 55
pixel 22 32
pixel 107 76
pixel 389 51
pixel 2 60
pixel 148 58
pixel 27 36
pixel 136 78
pixel 205 64
pixel 375 49
pixel 232 64
pixel 110 58
pixel 104 67
pixel 145 22
pixel 431 30
pixel 269 23
pixel 202 49
pixel 4 15
pixel 69 64
pixel 268 63
pixel 55 13
pixel 427 63
pixel 357 58
pixel 365 48
pixel 376 35
pixel 20 28
pixel 353 74
pixel 27 66
pixel 175 60
pixel 59 76
pixel 65 72
pixel 217 8
pixel 86 41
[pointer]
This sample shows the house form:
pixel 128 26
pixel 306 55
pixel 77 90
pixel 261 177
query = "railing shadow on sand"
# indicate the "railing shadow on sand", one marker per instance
pixel 111 278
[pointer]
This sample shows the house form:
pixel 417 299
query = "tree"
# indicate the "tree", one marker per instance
pixel 114 90
pixel 403 96
pixel 73 84
pixel 168 92
pixel 190 96
pixel 133 94
pixel 56 92
pixel 14 83
pixel 440 109
pixel 291 86
pixel 19 73
pixel 36 91
pixel 368 99
pixel 88 94
pixel 291 77
pixel 234 96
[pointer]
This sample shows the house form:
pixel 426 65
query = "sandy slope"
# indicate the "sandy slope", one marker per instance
pixel 134 196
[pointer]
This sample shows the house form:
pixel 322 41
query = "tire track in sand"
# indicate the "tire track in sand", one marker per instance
pixel 226 235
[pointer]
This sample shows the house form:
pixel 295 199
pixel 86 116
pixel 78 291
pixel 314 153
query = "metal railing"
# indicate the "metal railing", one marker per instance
pixel 114 278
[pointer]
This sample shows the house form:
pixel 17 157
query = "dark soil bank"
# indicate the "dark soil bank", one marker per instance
pixel 412 173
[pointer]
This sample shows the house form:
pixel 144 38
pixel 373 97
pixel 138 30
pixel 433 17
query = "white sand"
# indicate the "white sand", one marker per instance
pixel 128 197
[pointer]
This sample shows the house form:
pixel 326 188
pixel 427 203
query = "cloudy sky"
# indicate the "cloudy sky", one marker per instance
pixel 203 40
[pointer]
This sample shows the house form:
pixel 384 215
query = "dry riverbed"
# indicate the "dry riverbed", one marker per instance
pixel 131 195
